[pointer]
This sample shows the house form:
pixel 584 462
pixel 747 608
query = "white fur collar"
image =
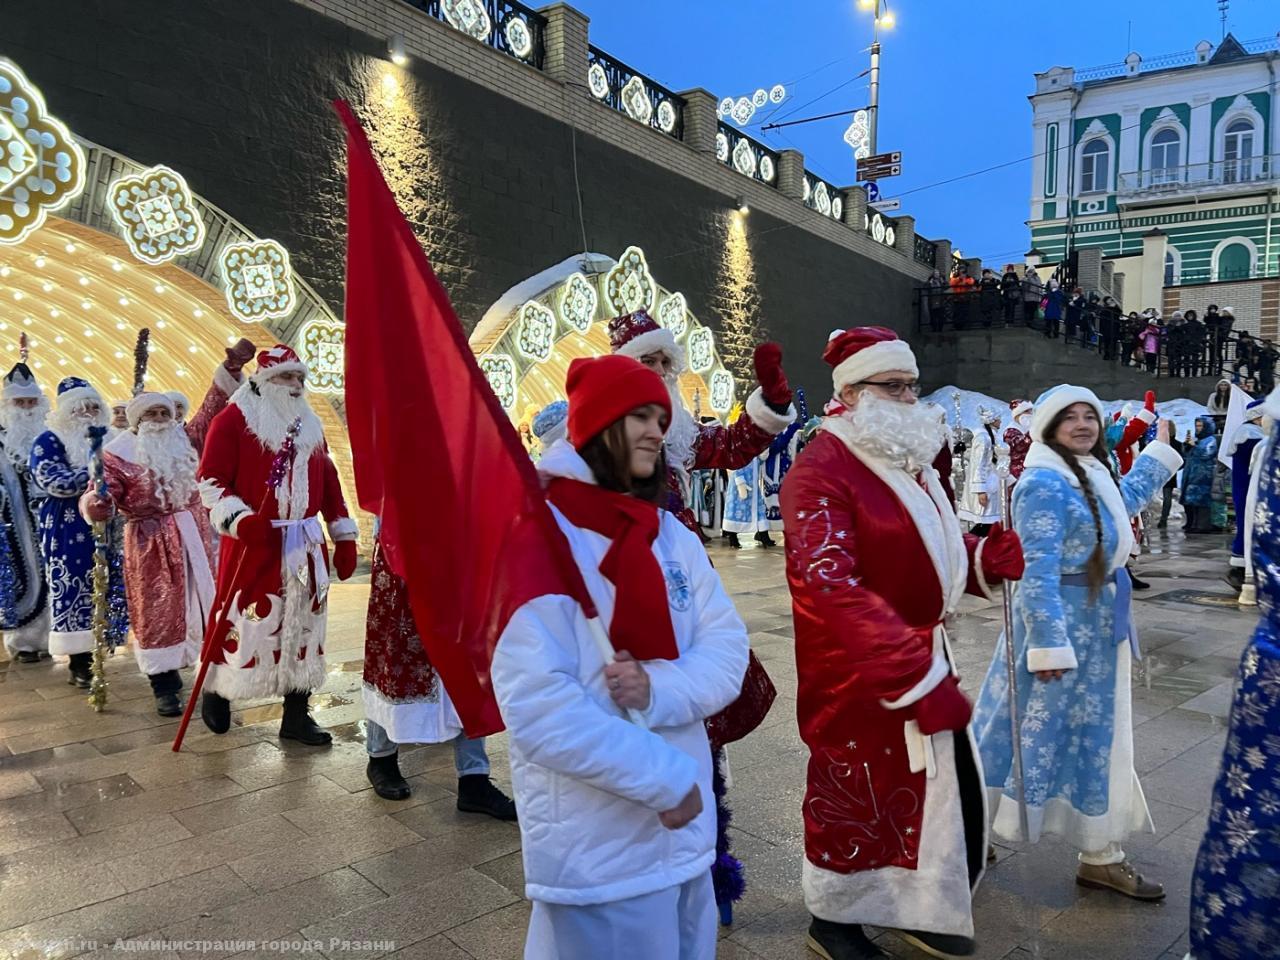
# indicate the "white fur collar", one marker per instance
pixel 562 460
pixel 1104 488
pixel 124 446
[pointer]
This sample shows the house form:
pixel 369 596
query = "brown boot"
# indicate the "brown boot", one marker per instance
pixel 1120 877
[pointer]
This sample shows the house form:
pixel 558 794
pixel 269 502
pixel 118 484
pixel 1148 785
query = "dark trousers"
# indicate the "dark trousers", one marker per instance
pixel 1010 308
pixel 170 681
pixel 1153 360
pixel 1167 505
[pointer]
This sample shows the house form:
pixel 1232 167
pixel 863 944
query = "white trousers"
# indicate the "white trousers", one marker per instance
pixel 678 923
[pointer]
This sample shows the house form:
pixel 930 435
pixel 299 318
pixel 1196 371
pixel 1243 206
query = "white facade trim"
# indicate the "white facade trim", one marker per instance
pixel 1231 241
pixel 1173 253
pixel 1095 131
pixel 1241 109
pixel 1167 120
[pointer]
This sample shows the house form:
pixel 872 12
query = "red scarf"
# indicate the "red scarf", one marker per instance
pixel 641 615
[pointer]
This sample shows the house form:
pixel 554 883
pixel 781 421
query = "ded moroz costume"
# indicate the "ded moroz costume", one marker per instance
pixel 1016 436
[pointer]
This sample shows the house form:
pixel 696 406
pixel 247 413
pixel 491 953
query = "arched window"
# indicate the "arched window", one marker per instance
pixel 1166 156
pixel 1235 262
pixel 1170 269
pixel 1095 166
pixel 1237 152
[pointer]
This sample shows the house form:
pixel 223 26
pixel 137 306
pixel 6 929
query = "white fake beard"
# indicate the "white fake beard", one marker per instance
pixel 682 435
pixel 271 411
pixel 21 427
pixel 165 450
pixel 907 435
pixel 70 427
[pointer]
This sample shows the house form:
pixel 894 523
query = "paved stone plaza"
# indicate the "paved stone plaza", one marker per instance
pixel 105 834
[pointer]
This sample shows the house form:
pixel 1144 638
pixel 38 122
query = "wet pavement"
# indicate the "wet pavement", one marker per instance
pixel 243 845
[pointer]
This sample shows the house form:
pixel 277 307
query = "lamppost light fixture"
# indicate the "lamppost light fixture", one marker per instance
pixel 395 47
pixel 887 20
pixel 743 208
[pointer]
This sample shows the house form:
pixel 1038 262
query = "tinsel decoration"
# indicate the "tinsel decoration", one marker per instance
pixel 727 876
pixel 8 579
pixel 285 457
pixel 101 577
pixel 141 356
pixel 24 347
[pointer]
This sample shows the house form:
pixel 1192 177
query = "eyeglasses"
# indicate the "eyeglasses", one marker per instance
pixel 894 388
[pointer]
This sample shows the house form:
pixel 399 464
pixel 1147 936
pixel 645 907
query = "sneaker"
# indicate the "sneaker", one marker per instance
pixel 840 941
pixel 1120 877
pixel 388 782
pixel 944 945
pixel 477 794
pixel 168 705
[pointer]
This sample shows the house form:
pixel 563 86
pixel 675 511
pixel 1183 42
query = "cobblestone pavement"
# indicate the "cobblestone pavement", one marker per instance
pixel 106 834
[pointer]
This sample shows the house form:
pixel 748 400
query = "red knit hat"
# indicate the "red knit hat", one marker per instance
pixel 602 390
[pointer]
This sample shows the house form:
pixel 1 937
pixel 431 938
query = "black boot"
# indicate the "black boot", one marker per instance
pixel 765 540
pixel 1235 577
pixel 215 711
pixel 384 774
pixel 296 724
pixel 943 945
pixel 477 794
pixel 166 686
pixel 80 670
pixel 733 540
pixel 28 656
pixel 1138 584
pixel 841 941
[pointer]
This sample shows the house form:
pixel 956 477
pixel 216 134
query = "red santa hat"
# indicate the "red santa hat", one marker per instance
pixel 637 335
pixel 279 359
pixel 1019 407
pixel 603 390
pixel 862 352
pixel 142 402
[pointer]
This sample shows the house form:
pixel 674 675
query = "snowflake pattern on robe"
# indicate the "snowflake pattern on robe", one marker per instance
pixel 1236 884
pixel 1068 725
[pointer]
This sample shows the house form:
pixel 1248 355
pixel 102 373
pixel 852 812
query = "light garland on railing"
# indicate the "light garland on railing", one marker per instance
pixel 741 110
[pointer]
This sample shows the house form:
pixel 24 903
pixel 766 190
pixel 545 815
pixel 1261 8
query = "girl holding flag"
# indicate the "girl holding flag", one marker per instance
pixel 616 812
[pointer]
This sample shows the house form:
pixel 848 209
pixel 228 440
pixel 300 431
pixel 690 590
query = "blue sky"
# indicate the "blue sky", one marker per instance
pixel 955 77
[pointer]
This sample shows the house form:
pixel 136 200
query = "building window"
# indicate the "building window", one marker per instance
pixel 1233 260
pixel 1166 156
pixel 1170 269
pixel 1095 166
pixel 1237 152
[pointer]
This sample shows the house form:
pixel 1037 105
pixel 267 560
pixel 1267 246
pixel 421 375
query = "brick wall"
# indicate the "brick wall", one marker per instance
pixel 1255 303
pixel 236 96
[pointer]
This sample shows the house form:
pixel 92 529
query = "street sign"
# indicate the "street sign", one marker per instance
pixel 879 166
pixel 873 191
pixel 884 206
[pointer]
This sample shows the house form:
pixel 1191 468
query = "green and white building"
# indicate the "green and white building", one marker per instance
pixel 1170 165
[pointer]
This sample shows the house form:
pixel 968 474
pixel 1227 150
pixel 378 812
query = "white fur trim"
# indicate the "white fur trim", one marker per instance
pixel 1024 407
pixel 344 528
pixel 939 670
pixel 210 492
pixel 226 513
pixel 979 573
pixel 153 660
pixel 660 340
pixel 224 381
pixel 73 396
pixel 878 358
pixel 1271 405
pixel 1164 454
pixel 1054 401
pixel 1040 659
pixel 66 642
pixel 415 719
pixel 140 403
pixel 765 417
pixel 1146 416
pixel 264 374
pixel 34 636
pixel 1104 487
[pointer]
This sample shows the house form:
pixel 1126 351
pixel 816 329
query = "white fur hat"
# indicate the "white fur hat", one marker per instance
pixel 142 402
pixel 1056 399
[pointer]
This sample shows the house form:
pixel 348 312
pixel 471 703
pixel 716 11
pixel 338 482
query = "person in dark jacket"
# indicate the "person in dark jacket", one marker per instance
pixel 1010 293
pixel 1245 349
pixel 1075 316
pixel 1054 301
pixel 1212 328
pixel 988 296
pixel 1225 323
pixel 935 292
pixel 1195 341
pixel 1267 357
pixel 1128 336
pixel 1032 292
pixel 1108 328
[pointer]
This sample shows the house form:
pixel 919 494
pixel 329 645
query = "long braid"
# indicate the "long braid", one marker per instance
pixel 1096 567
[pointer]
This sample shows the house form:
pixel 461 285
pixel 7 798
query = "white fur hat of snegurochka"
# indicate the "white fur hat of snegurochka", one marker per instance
pixel 1055 400
pixel 276 360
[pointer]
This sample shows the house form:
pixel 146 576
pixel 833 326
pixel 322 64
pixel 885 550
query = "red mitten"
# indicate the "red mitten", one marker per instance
pixel 95 508
pixel 773 380
pixel 253 528
pixel 1002 555
pixel 238 356
pixel 1150 402
pixel 344 558
pixel 943 708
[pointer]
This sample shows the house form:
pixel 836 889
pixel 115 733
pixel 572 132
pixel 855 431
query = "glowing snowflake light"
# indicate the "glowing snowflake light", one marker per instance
pixel 157 213
pixel 579 302
pixel 259 280
pixel 536 334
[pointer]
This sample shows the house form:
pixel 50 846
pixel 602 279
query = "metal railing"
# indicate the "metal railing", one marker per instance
pixel 926 251
pixel 506 25
pixel 749 157
pixel 823 197
pixel 1224 175
pixel 1165 61
pixel 630 92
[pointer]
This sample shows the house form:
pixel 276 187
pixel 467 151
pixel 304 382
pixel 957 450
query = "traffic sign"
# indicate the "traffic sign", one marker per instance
pixel 879 166
pixel 884 206
pixel 873 191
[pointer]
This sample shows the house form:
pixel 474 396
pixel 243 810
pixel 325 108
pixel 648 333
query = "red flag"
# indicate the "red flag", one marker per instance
pixel 464 519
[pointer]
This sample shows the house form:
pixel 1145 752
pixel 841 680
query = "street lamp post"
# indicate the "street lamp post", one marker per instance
pixel 883 18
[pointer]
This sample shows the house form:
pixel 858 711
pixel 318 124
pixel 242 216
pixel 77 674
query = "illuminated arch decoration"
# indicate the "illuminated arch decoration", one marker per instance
pixel 467 16
pixel 629 286
pixel 635 100
pixel 537 331
pixel 41 165
pixel 576 292
pixel 259 280
pixel 157 214
pixel 578 303
pixel 322 347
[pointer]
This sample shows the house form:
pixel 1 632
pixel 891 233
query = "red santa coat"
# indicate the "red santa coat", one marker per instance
pixel 267 626
pixel 875 560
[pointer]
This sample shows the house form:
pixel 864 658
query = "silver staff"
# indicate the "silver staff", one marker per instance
pixel 1010 661
pixel 958 462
